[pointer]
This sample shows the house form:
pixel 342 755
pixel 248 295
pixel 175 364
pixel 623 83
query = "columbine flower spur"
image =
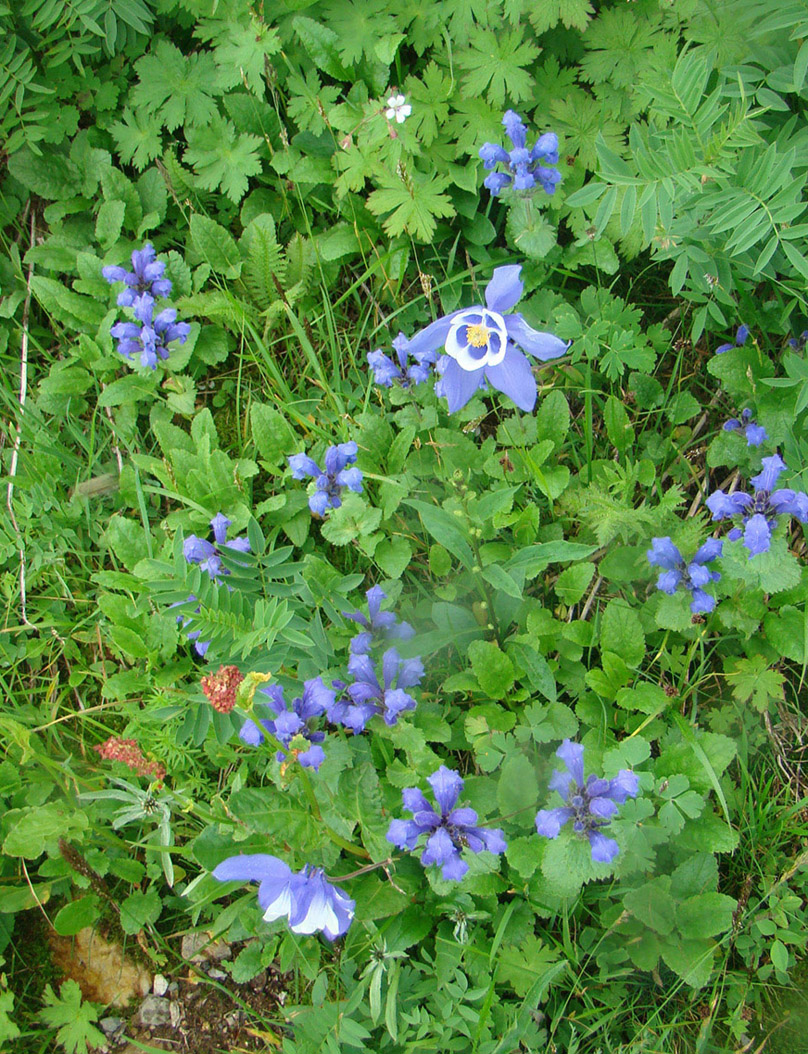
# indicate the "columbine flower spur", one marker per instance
pixel 306 898
pixel 525 167
pixel 331 482
pixel 590 804
pixel 480 345
pixel 450 831
pixel 692 574
pixel 759 511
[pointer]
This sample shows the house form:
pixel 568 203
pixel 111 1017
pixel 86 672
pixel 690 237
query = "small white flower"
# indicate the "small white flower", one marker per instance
pixel 398 108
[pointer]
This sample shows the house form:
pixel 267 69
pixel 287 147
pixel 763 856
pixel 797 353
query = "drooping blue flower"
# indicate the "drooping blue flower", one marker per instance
pixel 591 803
pixel 306 898
pixel 480 345
pixel 758 512
pixel 755 433
pixel 366 696
pixel 293 723
pixel 200 551
pixel 525 167
pixel 146 277
pixel 740 339
pixel 200 646
pixel 385 371
pixel 382 625
pixel 149 337
pixel 449 831
pixel 331 482
pixel 693 575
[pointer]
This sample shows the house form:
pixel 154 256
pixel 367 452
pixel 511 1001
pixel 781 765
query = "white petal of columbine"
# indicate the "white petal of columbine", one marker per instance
pixel 319 916
pixel 280 907
pixel 494 353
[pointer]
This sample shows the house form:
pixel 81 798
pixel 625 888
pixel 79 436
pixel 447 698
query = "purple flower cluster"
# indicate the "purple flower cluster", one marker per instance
pixel 525 167
pixel 292 726
pixel 740 339
pixel 206 554
pixel 692 575
pixel 591 804
pixel 755 433
pixel 147 336
pixel 758 513
pixel 379 625
pixel 306 898
pixel 367 696
pixel 331 481
pixel 449 831
pixel 385 371
pixel 480 345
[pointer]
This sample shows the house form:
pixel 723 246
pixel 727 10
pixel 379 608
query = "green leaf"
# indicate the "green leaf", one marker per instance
pixel 445 529
pixel 528 230
pixel 495 61
pixel 518 787
pixel 622 633
pixel 492 668
pixel 140 909
pixel 176 89
pixel 33 830
pixel 413 200
pixel 533 665
pixel 76 914
pixel 393 555
pixel 571 584
pixel 705 915
pixel 653 905
pixel 523 855
pixel 215 246
pixel 137 136
pixel 754 681
pixel 109 222
pixel 691 959
pixel 222 158
pixel 567 864
pixel 353 520
pixel 73 1018
pixel 271 432
pixel 787 631
pixel 618 427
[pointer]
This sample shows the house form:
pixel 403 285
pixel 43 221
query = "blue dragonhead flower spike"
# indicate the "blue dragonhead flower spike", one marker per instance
pixel 146 276
pixel 381 625
pixel 292 726
pixel 449 831
pixel 367 696
pixel 480 345
pixel 206 554
pixel 525 167
pixel 591 803
pixel 755 433
pixel 692 575
pixel 759 512
pixel 385 371
pixel 306 898
pixel 331 481
pixel 740 339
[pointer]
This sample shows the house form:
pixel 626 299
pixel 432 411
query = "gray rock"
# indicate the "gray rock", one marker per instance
pixel 160 984
pixel 111 1025
pixel 198 947
pixel 154 1011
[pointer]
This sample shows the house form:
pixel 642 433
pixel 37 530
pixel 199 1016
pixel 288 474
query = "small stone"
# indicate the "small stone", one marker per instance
pixel 217 975
pixel 159 985
pixel 198 947
pixel 173 988
pixel 175 1012
pixel 154 1011
pixel 111 1025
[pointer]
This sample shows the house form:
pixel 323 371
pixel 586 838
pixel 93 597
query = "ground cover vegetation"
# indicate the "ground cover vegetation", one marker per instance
pixel 379 384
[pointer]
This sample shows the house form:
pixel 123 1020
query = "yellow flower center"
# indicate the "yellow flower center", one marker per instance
pixel 477 336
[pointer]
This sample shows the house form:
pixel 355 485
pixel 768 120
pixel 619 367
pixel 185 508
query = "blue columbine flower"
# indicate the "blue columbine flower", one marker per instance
pixel 755 433
pixel 293 724
pixel 740 339
pixel 329 483
pixel 385 371
pixel 149 337
pixel 693 575
pixel 449 831
pixel 759 511
pixel 306 898
pixel 526 167
pixel 590 805
pixel 199 551
pixel 480 345
pixel 367 697
pixel 382 625
pixel 146 276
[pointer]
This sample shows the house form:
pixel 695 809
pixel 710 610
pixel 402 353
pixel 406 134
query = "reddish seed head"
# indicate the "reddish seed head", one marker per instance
pixel 129 753
pixel 220 688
